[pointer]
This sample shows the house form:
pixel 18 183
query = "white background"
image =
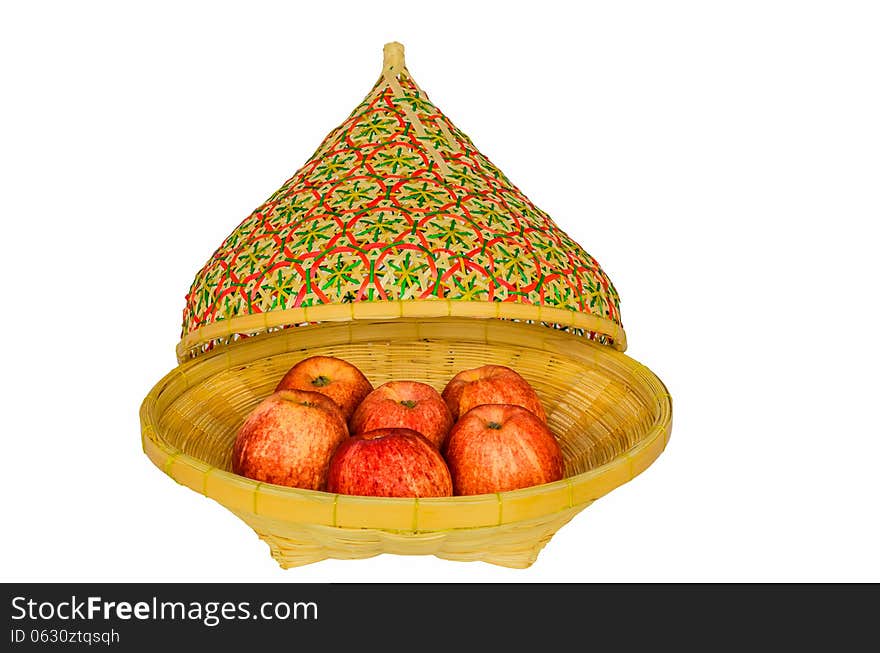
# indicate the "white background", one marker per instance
pixel 721 161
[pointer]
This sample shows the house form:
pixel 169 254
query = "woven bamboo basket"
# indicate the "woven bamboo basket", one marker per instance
pixel 400 248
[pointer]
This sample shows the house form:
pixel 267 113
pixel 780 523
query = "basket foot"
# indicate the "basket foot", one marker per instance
pixel 517 547
pixel 511 559
pixel 290 553
pixel 514 545
pixel 516 555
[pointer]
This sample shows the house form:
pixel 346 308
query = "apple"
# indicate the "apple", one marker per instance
pixel 490 384
pixel 404 404
pixel 389 463
pixel 497 447
pixel 338 379
pixel 289 438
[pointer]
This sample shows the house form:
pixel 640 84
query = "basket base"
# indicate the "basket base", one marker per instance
pixel 514 545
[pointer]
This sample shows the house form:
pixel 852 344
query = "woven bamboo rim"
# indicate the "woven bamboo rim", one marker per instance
pixel 321 509
pixel 390 310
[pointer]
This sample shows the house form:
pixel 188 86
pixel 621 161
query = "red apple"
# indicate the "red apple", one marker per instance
pixel 490 384
pixel 338 379
pixel 289 438
pixel 389 463
pixel 495 448
pixel 404 404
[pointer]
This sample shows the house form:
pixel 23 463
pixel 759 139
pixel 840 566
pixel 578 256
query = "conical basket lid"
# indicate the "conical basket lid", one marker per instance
pixel 397 214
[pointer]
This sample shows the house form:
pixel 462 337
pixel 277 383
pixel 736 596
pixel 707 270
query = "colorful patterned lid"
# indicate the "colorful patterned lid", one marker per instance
pixel 397 214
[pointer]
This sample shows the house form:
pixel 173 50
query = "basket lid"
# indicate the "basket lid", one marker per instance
pixel 397 214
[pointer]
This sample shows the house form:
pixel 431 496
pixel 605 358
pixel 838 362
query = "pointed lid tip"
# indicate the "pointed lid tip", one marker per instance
pixel 393 57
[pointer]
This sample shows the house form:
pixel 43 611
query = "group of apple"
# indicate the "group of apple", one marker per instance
pixel 326 428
